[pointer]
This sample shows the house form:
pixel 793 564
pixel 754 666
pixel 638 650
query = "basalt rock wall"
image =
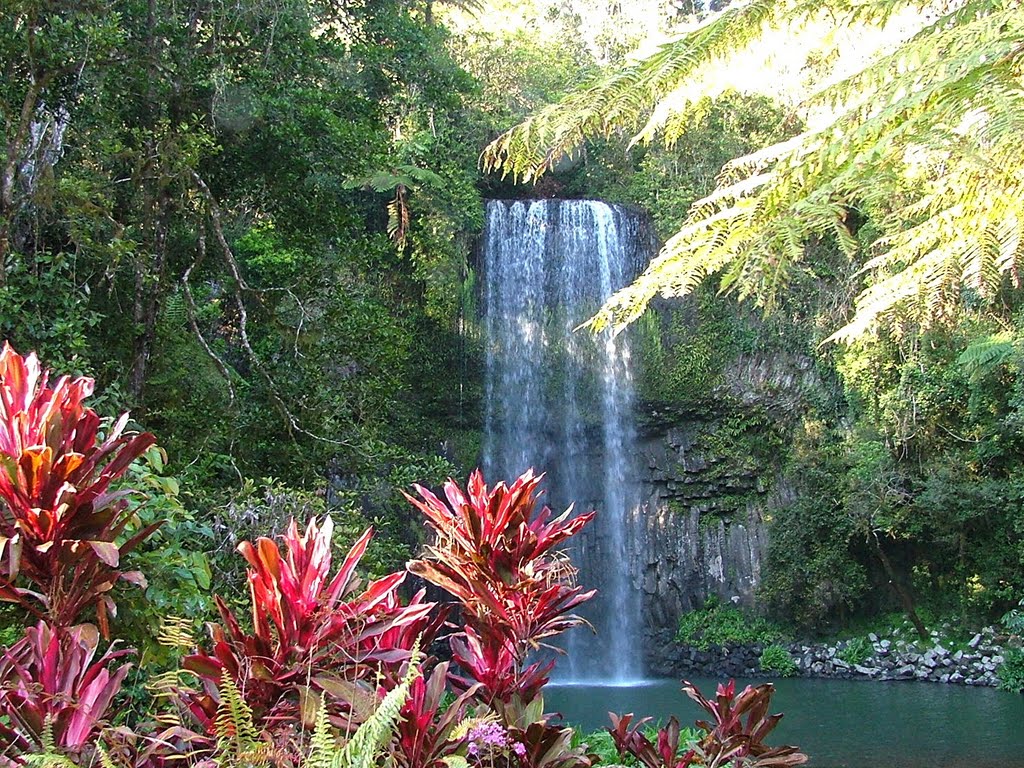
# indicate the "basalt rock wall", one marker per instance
pixel 712 473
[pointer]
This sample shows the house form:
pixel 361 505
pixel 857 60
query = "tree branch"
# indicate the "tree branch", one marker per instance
pixel 190 305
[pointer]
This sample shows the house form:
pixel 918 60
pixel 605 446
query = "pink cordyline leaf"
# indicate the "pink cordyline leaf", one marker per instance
pixel 730 738
pixel 310 631
pixel 495 554
pixel 55 496
pixel 49 676
pixel 423 732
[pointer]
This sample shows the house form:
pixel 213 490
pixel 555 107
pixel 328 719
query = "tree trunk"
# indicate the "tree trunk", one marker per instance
pixel 906 599
pixel 9 175
pixel 149 287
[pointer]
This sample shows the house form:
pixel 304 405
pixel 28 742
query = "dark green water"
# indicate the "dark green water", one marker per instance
pixel 840 723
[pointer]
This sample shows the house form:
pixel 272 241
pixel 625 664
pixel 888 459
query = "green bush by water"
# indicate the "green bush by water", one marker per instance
pixel 775 660
pixel 1011 672
pixel 856 651
pixel 715 624
pixel 600 743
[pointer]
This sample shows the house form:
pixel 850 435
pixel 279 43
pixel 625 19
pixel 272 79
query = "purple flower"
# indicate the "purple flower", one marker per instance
pixel 489 735
pixel 519 749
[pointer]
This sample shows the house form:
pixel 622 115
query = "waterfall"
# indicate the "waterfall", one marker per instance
pixel 561 400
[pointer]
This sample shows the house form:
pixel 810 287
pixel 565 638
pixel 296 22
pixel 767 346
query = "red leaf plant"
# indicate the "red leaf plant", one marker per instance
pixel 424 732
pixel 735 738
pixel 664 754
pixel 548 746
pixel 499 559
pixel 59 518
pixel 314 637
pixel 50 683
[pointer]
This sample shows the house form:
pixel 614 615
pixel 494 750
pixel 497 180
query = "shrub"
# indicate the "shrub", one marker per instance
pixel 500 560
pixel 715 624
pixel 1011 671
pixel 60 521
pixel 599 745
pixel 425 734
pixel 856 651
pixel 64 530
pixel 54 695
pixel 776 660
pixel 313 635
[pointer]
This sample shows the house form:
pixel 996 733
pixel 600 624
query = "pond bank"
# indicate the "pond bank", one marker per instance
pixel 895 657
pixel 840 723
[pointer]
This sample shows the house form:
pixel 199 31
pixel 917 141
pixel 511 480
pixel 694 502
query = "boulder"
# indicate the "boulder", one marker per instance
pixel 905 672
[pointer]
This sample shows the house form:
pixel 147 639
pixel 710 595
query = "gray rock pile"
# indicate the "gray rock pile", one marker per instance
pixel 899 656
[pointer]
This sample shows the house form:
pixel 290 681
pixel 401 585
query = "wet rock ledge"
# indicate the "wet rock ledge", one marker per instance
pixel 897 657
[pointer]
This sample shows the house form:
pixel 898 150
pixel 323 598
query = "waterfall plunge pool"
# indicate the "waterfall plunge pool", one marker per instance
pixel 839 723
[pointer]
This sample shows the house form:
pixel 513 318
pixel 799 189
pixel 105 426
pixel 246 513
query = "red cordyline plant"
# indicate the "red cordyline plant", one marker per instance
pixel 314 636
pixel 59 518
pixel 424 735
pixel 734 738
pixel 663 754
pixel 52 689
pixel 500 559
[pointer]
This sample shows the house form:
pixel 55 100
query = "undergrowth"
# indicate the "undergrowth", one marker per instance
pixel 715 624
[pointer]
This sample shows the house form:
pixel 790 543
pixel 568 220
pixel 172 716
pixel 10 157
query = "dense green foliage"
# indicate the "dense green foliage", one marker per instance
pixel 717 624
pixel 1011 671
pixel 775 660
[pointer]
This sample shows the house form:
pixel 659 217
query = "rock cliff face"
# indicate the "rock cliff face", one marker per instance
pixel 711 475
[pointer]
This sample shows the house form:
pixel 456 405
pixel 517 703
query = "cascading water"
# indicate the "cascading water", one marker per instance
pixel 561 400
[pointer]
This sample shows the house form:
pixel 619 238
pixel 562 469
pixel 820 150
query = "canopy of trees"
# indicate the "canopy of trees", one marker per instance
pixel 921 140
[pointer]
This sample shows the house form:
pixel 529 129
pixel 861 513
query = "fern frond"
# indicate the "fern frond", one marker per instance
pixel 176 632
pixel 924 138
pixel 984 355
pixel 50 756
pixel 467 724
pixel 238 738
pixel 105 759
pixel 322 745
pixel 621 99
pixel 366 744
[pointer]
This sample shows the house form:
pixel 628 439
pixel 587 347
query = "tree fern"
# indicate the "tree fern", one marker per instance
pixel 984 355
pixel 924 139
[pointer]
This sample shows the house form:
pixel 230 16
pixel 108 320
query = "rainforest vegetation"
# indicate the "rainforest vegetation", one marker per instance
pixel 252 224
